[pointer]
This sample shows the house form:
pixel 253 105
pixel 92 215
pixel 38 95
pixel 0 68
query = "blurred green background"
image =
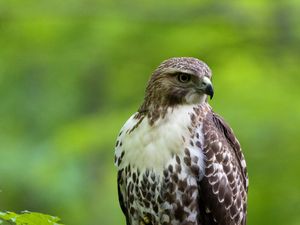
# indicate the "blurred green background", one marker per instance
pixel 72 72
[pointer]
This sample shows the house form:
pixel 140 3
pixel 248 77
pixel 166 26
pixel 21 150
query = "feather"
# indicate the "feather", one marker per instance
pixel 178 161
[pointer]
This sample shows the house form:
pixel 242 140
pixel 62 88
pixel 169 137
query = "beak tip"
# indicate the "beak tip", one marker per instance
pixel 206 87
pixel 210 91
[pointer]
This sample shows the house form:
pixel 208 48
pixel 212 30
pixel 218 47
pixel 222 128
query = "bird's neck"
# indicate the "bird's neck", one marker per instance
pixel 154 111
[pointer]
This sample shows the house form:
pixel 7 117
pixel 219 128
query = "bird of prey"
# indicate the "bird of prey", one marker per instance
pixel 178 162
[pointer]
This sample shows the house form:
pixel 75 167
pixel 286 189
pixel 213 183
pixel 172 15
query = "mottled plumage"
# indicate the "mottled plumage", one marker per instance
pixel 179 162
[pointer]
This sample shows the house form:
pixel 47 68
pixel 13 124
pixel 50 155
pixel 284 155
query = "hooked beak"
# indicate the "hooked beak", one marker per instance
pixel 207 87
pixel 209 91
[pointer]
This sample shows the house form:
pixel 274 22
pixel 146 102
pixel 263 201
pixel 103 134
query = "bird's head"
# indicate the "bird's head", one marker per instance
pixel 176 81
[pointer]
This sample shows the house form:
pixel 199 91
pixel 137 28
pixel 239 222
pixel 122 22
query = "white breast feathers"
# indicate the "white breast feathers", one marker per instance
pixel 153 146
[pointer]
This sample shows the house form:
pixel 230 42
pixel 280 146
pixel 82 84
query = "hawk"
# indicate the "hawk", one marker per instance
pixel 178 162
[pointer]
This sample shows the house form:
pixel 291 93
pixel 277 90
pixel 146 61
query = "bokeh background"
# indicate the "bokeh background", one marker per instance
pixel 72 72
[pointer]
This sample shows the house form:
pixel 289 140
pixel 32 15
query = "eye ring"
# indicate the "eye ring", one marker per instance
pixel 183 77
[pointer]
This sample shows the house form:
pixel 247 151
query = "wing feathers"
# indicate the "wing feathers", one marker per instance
pixel 224 187
pixel 223 127
pixel 121 199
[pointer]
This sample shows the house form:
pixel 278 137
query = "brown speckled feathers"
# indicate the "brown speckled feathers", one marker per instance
pixel 179 163
pixel 223 189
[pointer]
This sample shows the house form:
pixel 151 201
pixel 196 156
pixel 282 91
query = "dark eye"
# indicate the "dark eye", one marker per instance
pixel 183 77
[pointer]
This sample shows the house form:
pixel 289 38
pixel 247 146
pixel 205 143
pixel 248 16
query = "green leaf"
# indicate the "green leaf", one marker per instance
pixel 28 218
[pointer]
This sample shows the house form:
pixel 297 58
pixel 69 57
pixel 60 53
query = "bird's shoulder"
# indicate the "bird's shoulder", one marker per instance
pixel 221 138
pixel 224 186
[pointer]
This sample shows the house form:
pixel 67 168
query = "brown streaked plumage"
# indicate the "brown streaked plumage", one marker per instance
pixel 179 162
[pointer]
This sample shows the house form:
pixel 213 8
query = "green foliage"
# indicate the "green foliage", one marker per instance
pixel 72 72
pixel 28 218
